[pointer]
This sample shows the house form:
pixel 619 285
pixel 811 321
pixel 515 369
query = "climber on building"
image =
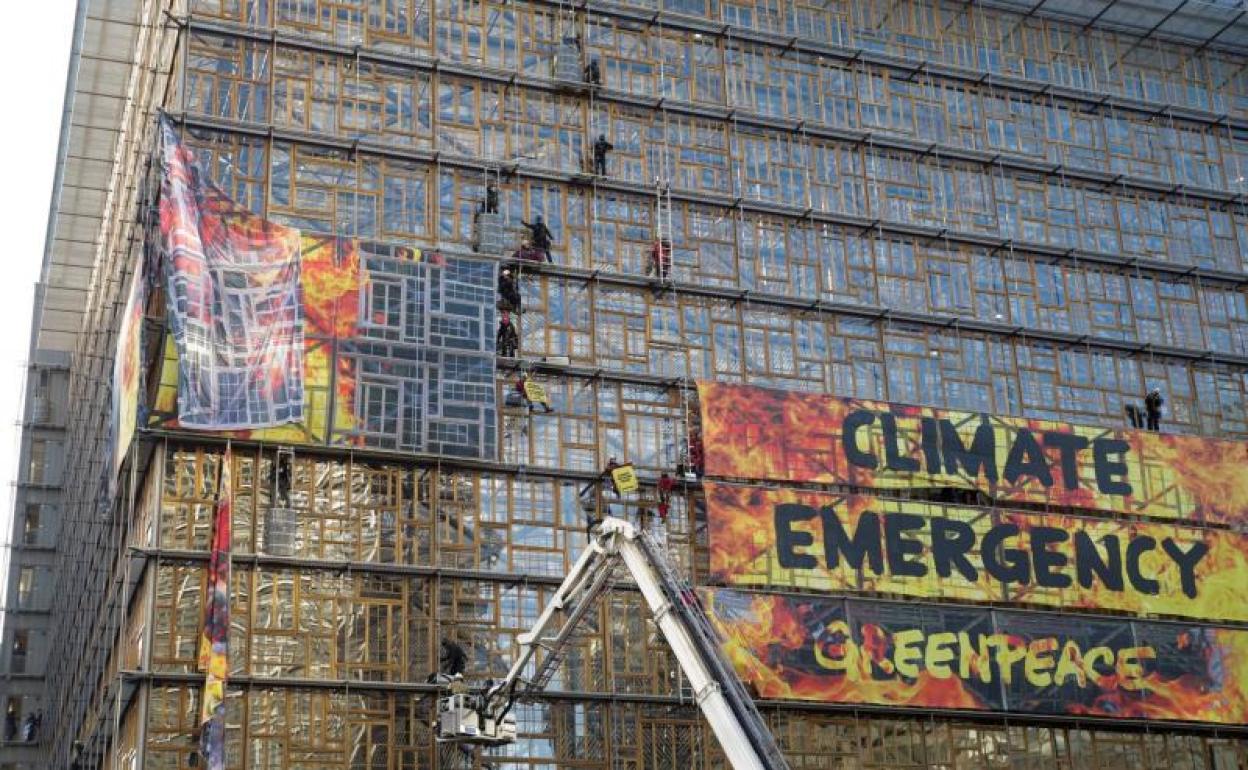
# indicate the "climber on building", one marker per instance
pixel 508 291
pixel 540 236
pixel 601 148
pixel 1152 409
pixel 507 340
pixel 593 74
pixel 527 397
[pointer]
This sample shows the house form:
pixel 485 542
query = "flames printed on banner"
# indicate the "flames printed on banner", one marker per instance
pixel 1221 576
pixel 393 348
pixel 232 284
pixel 330 282
pixel 771 641
pixel 758 433
pixel 743 552
pixel 769 645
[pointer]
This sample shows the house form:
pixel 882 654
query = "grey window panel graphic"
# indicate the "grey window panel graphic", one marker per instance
pixel 216 365
pixel 423 359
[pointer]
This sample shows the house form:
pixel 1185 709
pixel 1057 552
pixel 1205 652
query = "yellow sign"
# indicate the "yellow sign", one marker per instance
pixel 535 392
pixel 625 478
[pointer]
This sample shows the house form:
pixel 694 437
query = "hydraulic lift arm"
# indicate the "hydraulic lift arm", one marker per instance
pixel 486 718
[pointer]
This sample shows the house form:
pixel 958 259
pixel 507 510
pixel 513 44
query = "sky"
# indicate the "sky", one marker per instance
pixel 34 58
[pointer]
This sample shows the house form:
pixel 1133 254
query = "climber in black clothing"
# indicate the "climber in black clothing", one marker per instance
pixel 491 198
pixel 453 660
pixel 507 340
pixel 508 291
pixel 593 75
pixel 540 235
pixel 607 477
pixel 601 148
pixel 1152 409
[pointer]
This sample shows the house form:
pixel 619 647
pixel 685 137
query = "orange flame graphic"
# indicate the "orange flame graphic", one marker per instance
pixel 758 433
pixel 766 638
pixel 744 550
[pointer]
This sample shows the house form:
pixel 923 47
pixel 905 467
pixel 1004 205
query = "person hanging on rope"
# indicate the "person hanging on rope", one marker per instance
pixel 280 478
pixel 453 660
pixel 506 341
pixel 667 485
pixel 490 205
pixel 593 74
pixel 586 500
pixel 540 236
pixel 508 291
pixel 601 148
pixel 608 476
pixel 1152 409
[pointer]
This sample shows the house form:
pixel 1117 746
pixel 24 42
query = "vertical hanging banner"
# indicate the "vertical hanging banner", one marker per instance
pixel 759 433
pixel 126 366
pixel 214 640
pixel 788 538
pixel 234 305
pixel 925 656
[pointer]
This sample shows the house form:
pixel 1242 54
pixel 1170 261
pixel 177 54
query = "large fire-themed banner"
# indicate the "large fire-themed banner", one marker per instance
pixel 892 654
pixel 233 295
pixel 810 540
pixel 394 351
pixel 758 433
pixel 398 353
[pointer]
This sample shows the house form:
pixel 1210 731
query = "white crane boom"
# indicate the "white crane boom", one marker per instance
pixel 486 718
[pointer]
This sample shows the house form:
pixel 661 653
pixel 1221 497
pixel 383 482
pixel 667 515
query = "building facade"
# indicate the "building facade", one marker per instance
pixel 1025 210
pixel 32 564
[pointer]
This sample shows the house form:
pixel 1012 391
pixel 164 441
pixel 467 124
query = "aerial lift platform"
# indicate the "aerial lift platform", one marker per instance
pixel 485 718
